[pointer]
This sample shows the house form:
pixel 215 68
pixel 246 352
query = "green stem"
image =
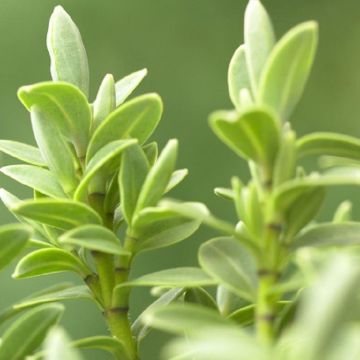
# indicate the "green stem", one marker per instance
pixel 117 315
pixel 265 308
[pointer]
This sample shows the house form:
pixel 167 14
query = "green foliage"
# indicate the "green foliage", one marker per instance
pixel 286 285
pixel 28 331
pixel 97 184
pixel 274 269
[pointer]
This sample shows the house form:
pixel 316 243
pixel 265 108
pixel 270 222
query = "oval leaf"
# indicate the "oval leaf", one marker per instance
pixel 104 103
pixel 63 214
pixel 133 171
pixel 178 277
pixel 127 85
pixel 329 144
pixel 158 227
pixel 259 40
pixel 227 261
pixel 287 69
pixel 105 343
pixel 65 106
pixel 24 152
pixel 48 261
pixel 135 119
pixel 94 237
pixel 238 76
pixel 13 239
pixel 253 134
pixel 330 234
pixel 55 150
pixel 190 318
pixel 158 177
pixel 39 179
pixel 67 52
pixel 27 333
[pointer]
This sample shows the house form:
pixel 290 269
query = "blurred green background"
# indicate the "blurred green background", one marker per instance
pixel 186 45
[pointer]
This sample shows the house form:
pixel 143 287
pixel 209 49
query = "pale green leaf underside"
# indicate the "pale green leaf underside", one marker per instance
pixel 24 152
pixel 125 86
pixel 227 261
pixel 94 237
pixel 67 52
pixel 37 178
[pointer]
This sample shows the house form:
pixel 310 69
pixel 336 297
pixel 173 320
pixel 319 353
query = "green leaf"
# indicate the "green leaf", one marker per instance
pixel 65 106
pixel 176 178
pixel 200 212
pixel 190 318
pixel 24 152
pixel 238 76
pixel 330 234
pixel 252 134
pixel 127 85
pixel 63 214
pixel 37 178
pixel 64 293
pixel 177 277
pixel 105 343
pixel 105 100
pixel 57 346
pixel 94 237
pixel 103 161
pixel 158 177
pixel 227 261
pixel 27 333
pixel 139 328
pixel 133 171
pixel 55 150
pixel 289 192
pixel 259 40
pixel 67 52
pixel 331 303
pixel 302 211
pixel 287 69
pixel 329 144
pixel 48 261
pixel 173 278
pixel 200 296
pixel 218 343
pixel 156 227
pixel 136 118
pixel 12 311
pixel 13 239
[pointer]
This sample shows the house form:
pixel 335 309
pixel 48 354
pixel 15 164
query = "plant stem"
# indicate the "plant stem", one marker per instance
pixel 265 308
pixel 117 316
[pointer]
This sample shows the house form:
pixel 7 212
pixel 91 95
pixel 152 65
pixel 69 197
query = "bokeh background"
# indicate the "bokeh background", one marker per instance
pixel 186 46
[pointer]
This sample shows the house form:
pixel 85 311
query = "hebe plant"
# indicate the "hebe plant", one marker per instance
pixel 97 203
pixel 96 186
pixel 263 262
